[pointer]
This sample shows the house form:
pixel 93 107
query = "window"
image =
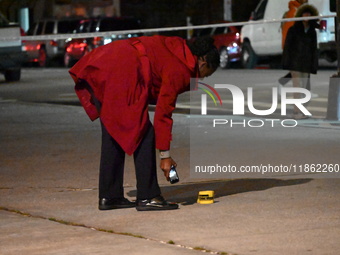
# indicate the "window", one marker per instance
pixel 40 28
pixel 31 29
pixel 204 31
pixel 67 26
pixel 3 21
pixel 219 30
pixel 332 5
pixel 260 10
pixel 49 29
pixel 92 26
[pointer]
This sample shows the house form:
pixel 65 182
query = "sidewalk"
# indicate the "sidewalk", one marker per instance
pixel 48 194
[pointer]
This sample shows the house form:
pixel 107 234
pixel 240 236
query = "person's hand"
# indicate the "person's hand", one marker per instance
pixel 165 165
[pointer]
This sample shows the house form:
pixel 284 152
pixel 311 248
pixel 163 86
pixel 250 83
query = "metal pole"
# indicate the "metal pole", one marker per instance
pixel 227 10
pixel 338 33
pixel 333 108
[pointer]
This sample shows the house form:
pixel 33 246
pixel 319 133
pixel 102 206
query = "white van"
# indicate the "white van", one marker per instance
pixel 11 55
pixel 265 39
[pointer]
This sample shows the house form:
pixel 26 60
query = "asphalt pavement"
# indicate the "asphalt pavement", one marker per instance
pixel 49 157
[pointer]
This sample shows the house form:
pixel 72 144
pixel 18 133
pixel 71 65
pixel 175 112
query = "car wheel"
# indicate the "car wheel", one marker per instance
pixel 13 75
pixel 42 60
pixel 249 58
pixel 224 58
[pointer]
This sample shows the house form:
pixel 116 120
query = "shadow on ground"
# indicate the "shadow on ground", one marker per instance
pixel 186 194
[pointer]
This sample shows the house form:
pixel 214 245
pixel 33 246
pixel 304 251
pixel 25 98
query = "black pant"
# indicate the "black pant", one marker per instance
pixel 112 167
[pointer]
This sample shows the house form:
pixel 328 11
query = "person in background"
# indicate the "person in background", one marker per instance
pixel 292 8
pixel 116 82
pixel 300 54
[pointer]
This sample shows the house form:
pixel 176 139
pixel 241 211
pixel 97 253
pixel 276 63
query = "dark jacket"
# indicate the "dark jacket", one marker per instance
pixel 300 49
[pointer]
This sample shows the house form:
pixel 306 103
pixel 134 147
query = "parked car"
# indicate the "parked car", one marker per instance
pixel 226 40
pixel 265 40
pixel 11 55
pixel 41 51
pixel 75 48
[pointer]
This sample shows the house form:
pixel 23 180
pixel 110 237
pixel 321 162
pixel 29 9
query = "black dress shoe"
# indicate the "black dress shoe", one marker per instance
pixel 156 203
pixel 115 203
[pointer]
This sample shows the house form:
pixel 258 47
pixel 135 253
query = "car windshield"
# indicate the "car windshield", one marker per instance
pixel 203 32
pixel 67 26
pixel 30 30
pixel 3 21
pixel 85 26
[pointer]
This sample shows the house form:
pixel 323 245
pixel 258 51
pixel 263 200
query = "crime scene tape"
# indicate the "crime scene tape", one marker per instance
pixel 154 30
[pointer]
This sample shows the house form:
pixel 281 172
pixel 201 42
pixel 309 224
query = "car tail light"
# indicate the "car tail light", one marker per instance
pixel 69 49
pixel 53 43
pixel 97 41
pixel 82 46
pixel 76 46
pixel 323 25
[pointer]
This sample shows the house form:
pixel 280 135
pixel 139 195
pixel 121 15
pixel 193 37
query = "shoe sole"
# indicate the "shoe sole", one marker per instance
pixel 155 208
pixel 104 208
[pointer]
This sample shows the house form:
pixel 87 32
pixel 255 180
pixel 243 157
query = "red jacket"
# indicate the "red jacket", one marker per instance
pixel 126 76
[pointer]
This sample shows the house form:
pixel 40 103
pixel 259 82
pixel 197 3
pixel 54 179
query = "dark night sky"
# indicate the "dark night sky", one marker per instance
pixel 164 11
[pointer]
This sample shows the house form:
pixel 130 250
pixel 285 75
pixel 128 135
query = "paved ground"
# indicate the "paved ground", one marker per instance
pixel 48 193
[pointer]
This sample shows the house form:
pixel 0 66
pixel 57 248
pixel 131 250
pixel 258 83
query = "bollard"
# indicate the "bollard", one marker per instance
pixel 333 107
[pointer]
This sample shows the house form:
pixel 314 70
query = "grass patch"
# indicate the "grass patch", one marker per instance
pixel 201 249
